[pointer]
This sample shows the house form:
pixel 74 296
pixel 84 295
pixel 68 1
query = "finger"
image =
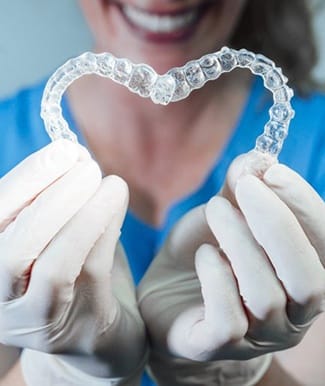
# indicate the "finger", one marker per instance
pixel 277 230
pixel 122 281
pixel 253 163
pixel 26 237
pixel 23 183
pixel 99 263
pixel 93 231
pixel 258 285
pixel 222 319
pixel 219 291
pixel 304 202
pixel 264 298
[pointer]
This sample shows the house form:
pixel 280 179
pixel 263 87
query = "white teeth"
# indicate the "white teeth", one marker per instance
pixel 159 23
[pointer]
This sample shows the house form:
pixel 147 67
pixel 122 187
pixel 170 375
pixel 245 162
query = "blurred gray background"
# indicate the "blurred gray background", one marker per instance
pixel 36 36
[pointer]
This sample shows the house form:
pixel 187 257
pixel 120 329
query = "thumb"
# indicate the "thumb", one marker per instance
pixel 253 162
pixel 192 230
pixel 21 185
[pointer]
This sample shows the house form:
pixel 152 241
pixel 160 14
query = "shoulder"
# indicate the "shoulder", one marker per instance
pixel 22 130
pixel 304 149
pixel 310 112
pixel 22 106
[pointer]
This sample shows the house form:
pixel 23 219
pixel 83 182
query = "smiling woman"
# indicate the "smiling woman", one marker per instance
pixel 227 264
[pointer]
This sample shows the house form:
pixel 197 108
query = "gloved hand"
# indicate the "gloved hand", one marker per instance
pixel 237 278
pixel 60 292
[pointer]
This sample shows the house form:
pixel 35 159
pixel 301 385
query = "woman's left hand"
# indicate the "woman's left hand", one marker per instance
pixel 241 276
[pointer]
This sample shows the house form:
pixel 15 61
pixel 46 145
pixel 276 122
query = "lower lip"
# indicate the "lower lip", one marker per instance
pixel 178 36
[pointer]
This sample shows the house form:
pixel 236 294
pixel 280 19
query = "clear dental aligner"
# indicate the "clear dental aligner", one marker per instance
pixel 173 86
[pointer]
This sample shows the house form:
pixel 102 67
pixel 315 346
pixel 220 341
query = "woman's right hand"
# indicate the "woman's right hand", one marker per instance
pixel 61 291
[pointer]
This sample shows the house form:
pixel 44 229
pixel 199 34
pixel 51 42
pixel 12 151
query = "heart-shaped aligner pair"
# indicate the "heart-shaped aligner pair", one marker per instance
pixel 173 86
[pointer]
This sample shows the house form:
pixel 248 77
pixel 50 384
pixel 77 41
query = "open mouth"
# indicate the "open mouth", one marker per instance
pixel 164 26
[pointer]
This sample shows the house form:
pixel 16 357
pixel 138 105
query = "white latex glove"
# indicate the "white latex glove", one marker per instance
pixel 60 225
pixel 233 283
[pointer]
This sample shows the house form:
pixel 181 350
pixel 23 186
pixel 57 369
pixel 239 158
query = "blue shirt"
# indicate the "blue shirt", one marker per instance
pixel 304 151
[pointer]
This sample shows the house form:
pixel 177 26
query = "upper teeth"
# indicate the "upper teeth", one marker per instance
pixel 159 23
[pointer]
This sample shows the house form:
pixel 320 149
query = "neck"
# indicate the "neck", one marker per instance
pixel 102 109
pixel 150 145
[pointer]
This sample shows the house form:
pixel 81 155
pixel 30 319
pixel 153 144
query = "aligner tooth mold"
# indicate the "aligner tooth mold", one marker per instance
pixel 173 86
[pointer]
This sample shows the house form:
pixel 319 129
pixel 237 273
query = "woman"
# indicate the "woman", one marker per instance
pixel 61 292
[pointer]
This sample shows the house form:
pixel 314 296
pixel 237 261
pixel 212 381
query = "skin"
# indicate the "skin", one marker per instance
pixel 150 146
pixel 153 153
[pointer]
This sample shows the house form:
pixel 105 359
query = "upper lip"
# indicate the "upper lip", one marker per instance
pixel 164 11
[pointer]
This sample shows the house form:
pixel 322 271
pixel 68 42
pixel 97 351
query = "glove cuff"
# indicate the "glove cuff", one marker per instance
pixel 181 372
pixel 51 370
